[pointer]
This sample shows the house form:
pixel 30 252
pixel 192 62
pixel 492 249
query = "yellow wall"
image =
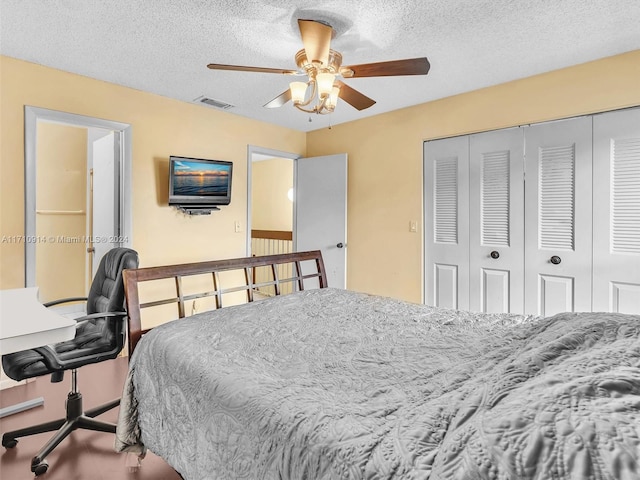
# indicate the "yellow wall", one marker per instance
pixel 271 209
pixel 385 157
pixel 61 183
pixel 161 127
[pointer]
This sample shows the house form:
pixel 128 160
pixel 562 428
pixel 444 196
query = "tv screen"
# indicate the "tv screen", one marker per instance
pixel 197 182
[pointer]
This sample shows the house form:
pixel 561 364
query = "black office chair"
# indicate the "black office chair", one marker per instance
pixel 100 335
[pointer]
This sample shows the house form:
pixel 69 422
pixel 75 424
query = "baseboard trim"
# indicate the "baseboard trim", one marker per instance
pixel 8 383
pixel 21 407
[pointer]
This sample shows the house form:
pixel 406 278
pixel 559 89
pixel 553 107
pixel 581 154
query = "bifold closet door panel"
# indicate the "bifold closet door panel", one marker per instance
pixel 616 211
pixel 446 211
pixel 496 229
pixel 558 222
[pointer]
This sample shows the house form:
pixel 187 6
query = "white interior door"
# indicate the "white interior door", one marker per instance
pixel 616 211
pixel 496 228
pixel 558 245
pixel 321 212
pixel 446 180
pixel 101 197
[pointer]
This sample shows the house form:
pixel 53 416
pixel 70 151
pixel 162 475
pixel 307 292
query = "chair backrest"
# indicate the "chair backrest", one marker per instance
pixel 107 295
pixel 107 289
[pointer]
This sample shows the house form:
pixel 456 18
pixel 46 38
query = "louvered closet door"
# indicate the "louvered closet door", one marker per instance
pixel 446 208
pixel 496 229
pixel 558 217
pixel 616 212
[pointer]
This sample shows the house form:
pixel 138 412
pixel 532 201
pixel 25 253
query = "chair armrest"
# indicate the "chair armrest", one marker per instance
pixel 65 300
pixel 50 358
pixel 99 315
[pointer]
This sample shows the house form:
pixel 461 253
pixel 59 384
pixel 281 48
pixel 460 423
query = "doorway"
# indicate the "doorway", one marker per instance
pixel 319 201
pixel 77 198
pixel 270 227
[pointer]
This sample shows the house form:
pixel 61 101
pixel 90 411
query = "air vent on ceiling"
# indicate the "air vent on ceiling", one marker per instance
pixel 213 103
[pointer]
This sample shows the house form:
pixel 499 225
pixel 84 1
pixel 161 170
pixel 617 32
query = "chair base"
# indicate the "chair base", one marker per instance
pixel 75 418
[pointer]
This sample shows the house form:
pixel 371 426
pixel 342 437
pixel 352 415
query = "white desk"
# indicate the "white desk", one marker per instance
pixel 24 324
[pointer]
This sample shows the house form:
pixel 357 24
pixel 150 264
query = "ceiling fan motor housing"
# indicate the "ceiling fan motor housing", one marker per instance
pixel 335 61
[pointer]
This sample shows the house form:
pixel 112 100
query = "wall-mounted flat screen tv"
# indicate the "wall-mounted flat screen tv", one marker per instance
pixel 197 182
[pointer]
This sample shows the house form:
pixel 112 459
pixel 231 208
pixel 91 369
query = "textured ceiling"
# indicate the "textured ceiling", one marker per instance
pixel 163 46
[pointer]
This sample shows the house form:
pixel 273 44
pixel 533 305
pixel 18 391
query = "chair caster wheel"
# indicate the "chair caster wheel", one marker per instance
pixel 40 468
pixel 9 442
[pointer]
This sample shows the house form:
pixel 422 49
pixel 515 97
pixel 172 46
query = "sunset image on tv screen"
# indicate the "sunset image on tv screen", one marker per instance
pixel 200 178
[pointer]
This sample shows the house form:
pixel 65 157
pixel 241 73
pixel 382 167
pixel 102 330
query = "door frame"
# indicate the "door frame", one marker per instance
pixel 270 153
pixel 123 136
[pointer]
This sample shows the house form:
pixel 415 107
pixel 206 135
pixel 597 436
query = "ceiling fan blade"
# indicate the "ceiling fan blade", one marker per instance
pixel 411 66
pixel 316 38
pixel 240 68
pixel 280 100
pixel 353 97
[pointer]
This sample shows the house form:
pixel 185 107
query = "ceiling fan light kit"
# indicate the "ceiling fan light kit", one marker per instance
pixel 322 66
pixel 322 77
pixel 326 99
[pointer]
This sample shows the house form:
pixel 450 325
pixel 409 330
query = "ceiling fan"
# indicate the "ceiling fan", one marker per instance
pixel 322 66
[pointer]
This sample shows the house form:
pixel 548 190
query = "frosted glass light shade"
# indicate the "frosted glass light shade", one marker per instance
pixel 325 83
pixel 298 91
pixel 333 98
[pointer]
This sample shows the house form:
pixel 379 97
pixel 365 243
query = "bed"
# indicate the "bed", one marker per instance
pixel 332 384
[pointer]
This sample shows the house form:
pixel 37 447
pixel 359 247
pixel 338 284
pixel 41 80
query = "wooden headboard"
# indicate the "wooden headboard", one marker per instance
pixel 133 277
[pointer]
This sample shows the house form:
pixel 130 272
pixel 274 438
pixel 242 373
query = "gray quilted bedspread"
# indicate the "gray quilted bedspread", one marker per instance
pixel 330 384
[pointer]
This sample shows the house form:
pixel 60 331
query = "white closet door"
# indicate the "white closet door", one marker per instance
pixel 496 230
pixel 616 212
pixel 446 208
pixel 558 221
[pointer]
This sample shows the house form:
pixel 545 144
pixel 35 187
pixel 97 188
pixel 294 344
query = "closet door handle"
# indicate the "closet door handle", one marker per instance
pixel 555 260
pixel 340 245
pixel 495 254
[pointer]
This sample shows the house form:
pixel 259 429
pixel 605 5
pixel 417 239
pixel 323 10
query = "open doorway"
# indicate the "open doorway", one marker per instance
pixel 271 209
pixel 319 207
pixel 78 205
